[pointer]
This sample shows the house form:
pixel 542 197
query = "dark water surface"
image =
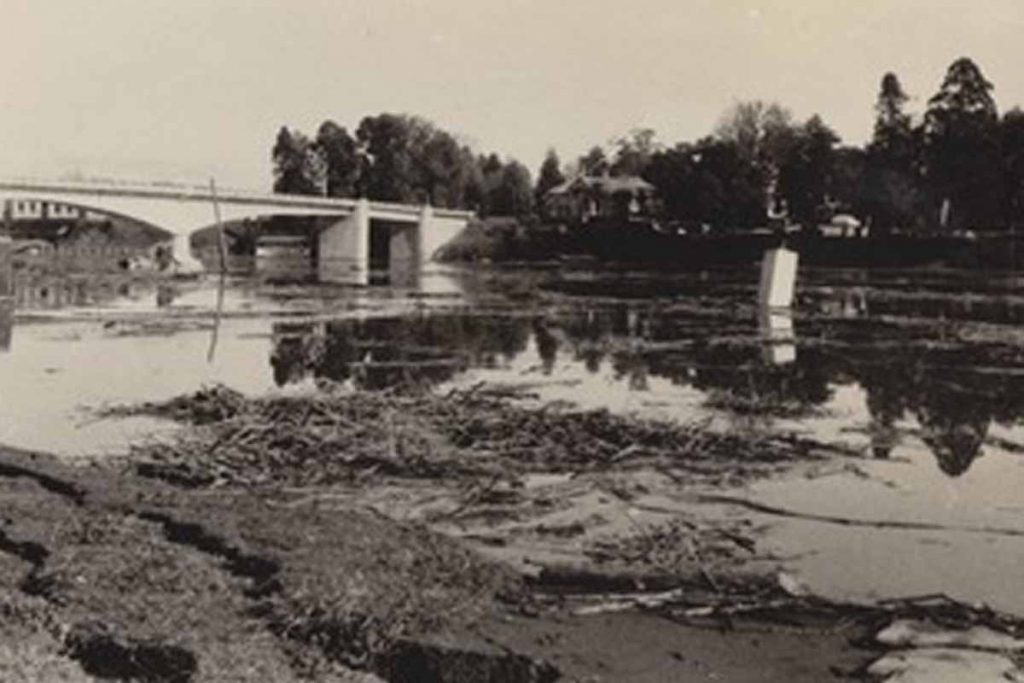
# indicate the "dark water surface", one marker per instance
pixel 919 376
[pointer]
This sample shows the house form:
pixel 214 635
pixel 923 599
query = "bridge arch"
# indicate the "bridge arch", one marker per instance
pixel 182 209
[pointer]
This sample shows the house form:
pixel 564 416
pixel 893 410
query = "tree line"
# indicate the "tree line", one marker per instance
pixel 399 158
pixel 957 165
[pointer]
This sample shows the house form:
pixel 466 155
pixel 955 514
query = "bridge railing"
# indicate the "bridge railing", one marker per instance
pixel 193 192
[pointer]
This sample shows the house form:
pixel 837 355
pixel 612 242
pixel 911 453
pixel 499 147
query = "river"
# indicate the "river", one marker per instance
pixel 915 377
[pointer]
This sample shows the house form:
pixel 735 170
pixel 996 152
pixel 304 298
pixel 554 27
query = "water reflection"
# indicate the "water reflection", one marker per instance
pixel 771 366
pixel 6 322
pixel 776 328
pixel 379 353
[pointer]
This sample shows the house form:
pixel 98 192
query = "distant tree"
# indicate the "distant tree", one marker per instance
pixel 385 139
pixel 962 147
pixel 298 167
pixel 848 184
pixel 709 182
pixel 440 174
pixel 633 152
pixel 756 128
pixel 408 159
pixel 594 162
pixel 892 195
pixel 549 176
pixel 513 195
pixel 806 171
pixel 892 125
pixel 1012 143
pixel 342 159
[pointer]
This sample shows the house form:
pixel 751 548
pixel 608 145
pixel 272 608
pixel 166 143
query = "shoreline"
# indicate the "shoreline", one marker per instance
pixel 275 592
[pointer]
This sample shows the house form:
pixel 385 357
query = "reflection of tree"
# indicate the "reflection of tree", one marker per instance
pixel 384 352
pixel 955 427
pixel 547 345
pixel 953 402
pixel 886 389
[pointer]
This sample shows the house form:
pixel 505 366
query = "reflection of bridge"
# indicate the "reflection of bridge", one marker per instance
pixel 414 232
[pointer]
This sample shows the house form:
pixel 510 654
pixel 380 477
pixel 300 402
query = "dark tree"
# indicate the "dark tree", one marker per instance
pixel 892 183
pixel 806 170
pixel 1012 142
pixel 633 152
pixel 962 148
pixel 711 183
pixel 550 175
pixel 298 168
pixel 594 162
pixel 386 141
pixel 513 195
pixel 342 159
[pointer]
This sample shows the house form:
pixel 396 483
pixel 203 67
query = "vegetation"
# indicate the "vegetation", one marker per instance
pixel 399 158
pixel 957 166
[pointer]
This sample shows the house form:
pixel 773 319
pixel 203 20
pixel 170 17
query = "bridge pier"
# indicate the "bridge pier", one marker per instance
pixel 344 248
pixel 181 251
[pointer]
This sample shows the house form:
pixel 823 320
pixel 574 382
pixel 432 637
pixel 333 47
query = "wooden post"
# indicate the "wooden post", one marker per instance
pixel 222 242
pixel 6 266
pixel 6 291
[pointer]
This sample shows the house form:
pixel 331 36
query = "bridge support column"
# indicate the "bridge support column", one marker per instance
pixel 181 250
pixel 344 248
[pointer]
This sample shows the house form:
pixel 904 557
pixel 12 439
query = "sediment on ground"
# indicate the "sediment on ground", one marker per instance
pixel 112 578
pixel 264 542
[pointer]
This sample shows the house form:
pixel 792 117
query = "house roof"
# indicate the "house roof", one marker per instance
pixel 605 184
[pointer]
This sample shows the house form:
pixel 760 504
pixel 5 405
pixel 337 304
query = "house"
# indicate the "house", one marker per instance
pixel 586 198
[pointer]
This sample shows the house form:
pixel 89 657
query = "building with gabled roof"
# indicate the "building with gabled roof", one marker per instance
pixel 585 198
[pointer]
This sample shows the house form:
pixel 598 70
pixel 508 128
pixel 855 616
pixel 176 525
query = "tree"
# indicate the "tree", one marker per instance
pixel 892 194
pixel 892 125
pixel 806 170
pixel 549 176
pixel 342 159
pixel 298 167
pixel 633 152
pixel 709 182
pixel 513 194
pixel 1012 143
pixel 594 162
pixel 756 129
pixel 385 140
pixel 962 148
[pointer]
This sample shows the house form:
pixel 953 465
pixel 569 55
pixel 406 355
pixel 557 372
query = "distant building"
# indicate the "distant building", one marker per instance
pixel 586 198
pixel 77 237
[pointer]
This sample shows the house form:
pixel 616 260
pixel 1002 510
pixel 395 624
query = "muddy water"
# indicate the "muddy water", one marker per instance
pixel 918 377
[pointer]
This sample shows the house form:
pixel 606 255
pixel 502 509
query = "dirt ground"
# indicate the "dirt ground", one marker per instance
pixel 403 538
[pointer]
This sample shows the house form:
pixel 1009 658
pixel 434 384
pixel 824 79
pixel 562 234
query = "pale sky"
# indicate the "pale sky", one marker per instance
pixel 186 89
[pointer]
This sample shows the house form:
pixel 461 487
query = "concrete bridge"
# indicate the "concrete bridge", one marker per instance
pixel 413 232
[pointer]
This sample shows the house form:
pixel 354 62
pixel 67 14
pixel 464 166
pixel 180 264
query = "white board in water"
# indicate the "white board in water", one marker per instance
pixel 778 278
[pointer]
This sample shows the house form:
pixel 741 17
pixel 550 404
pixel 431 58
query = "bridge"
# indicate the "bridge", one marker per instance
pixel 413 232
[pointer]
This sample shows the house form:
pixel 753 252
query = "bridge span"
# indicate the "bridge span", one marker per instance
pixel 414 231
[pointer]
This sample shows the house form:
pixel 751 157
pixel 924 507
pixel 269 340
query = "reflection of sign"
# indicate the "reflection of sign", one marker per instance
pixel 776 327
pixel 6 321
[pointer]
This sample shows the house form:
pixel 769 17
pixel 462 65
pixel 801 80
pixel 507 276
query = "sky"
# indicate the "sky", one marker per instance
pixel 191 89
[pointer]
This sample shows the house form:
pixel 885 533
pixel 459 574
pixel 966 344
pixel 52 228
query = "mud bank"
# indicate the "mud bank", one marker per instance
pixel 410 537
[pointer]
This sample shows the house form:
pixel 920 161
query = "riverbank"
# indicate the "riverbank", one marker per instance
pixel 410 537
pixel 508 241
